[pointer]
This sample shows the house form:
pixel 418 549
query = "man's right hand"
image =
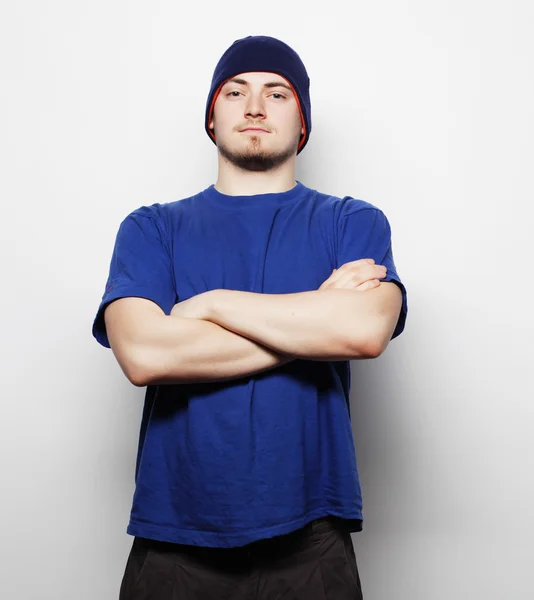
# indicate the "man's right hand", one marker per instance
pixel 357 275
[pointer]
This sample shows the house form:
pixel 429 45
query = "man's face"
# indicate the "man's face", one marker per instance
pixel 250 100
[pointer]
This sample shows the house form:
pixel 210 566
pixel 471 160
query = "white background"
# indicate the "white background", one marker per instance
pixel 421 108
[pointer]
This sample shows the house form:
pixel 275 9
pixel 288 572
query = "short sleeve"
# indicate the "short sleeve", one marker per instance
pixel 141 266
pixel 366 233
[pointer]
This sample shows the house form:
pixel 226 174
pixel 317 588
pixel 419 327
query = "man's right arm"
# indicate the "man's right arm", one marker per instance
pixel 154 348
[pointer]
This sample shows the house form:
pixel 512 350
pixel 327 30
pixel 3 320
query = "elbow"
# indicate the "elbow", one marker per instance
pixel 143 371
pixel 373 341
pixel 365 350
pixel 148 368
pixel 374 348
pixel 136 374
pixel 369 347
pixel 137 378
pixel 135 367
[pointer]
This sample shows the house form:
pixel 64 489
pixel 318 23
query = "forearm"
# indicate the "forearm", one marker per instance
pixel 186 350
pixel 317 325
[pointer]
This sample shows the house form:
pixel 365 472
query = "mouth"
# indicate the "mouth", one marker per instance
pixel 255 129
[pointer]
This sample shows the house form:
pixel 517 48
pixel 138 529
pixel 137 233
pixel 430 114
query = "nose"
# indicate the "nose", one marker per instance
pixel 255 108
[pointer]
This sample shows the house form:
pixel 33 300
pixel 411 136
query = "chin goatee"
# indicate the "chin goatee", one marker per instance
pixel 257 161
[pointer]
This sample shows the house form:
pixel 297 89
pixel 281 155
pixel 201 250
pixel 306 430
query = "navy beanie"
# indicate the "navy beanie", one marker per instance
pixel 263 53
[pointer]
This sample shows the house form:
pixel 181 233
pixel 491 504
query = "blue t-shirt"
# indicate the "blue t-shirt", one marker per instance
pixel 223 464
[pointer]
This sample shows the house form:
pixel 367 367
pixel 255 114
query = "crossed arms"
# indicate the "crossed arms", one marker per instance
pixel 226 334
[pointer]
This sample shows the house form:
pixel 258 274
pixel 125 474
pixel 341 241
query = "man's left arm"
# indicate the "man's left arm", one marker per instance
pixel 330 324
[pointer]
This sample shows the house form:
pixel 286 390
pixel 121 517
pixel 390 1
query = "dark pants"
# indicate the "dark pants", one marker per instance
pixel 316 562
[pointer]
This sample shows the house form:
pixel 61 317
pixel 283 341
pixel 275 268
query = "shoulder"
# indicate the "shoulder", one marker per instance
pixel 352 205
pixel 172 212
pixel 163 210
pixel 145 212
pixel 346 205
pixel 160 215
pixel 144 223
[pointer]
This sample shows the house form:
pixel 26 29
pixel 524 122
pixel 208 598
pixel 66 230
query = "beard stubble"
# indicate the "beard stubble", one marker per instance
pixel 254 158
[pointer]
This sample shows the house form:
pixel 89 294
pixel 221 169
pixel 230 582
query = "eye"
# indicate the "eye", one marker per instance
pixel 276 95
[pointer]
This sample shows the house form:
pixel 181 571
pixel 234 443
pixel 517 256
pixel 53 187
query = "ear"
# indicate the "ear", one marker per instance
pixel 210 124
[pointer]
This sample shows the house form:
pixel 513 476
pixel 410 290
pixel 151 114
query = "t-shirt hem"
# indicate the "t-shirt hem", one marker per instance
pixel 223 539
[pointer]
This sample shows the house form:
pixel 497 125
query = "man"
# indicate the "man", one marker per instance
pixel 240 308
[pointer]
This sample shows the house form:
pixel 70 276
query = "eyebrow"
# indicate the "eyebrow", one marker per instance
pixel 271 84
